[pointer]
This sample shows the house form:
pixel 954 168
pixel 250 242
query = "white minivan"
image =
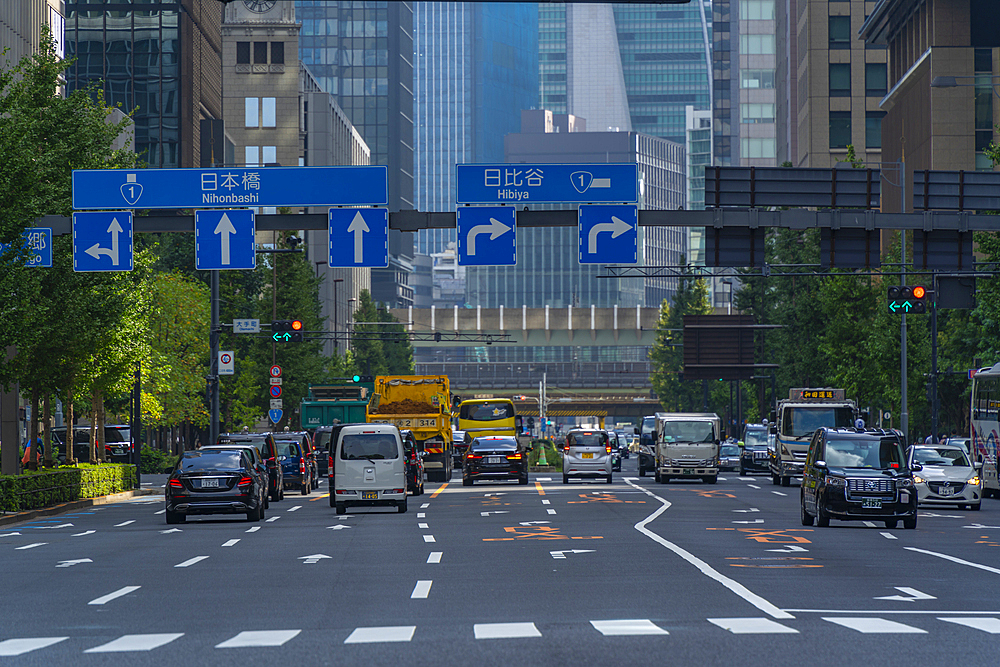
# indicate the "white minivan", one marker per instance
pixel 370 467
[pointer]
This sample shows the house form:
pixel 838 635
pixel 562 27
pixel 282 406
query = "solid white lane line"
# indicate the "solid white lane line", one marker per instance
pixel 874 626
pixel 297 507
pixel 421 515
pixel 955 560
pixel 435 557
pixel 779 493
pixel 990 625
pixel 752 626
pixel 505 630
pixel 12 647
pixel 254 529
pixel 543 479
pixel 889 536
pixel 259 638
pixel 429 538
pixel 550 511
pixel 706 569
pixel 230 543
pixel 117 594
pixel 425 506
pixel 639 626
pixel 753 486
pixel 191 561
pixel 421 590
pixel 399 633
pixel 31 546
pixel 136 643
pixel 422 525
pixel 546 502
pixel 125 523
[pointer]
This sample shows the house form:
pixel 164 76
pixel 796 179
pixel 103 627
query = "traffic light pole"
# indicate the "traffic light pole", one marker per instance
pixel 213 378
pixel 904 414
pixel 934 374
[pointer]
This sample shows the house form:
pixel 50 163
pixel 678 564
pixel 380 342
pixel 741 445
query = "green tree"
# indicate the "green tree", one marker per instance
pixel 667 353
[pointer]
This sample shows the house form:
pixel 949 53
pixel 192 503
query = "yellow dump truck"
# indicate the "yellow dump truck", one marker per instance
pixel 421 404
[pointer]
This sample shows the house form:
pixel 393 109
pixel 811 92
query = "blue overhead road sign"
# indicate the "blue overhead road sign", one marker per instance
pixel 224 240
pixel 487 236
pixel 102 241
pixel 38 241
pixel 226 188
pixel 541 183
pixel 609 234
pixel 359 237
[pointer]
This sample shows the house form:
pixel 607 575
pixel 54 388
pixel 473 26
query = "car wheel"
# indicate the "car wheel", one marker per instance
pixel 609 479
pixel 305 489
pixel 523 481
pixel 175 517
pixel 786 481
pixel 401 506
pixel 274 495
pixel 775 479
pixel 466 481
pixel 267 500
pixel 642 471
pixel 565 478
pixel 656 476
pixel 807 518
pixel 891 523
pixel 743 473
pixel 341 508
pixel 910 522
pixel 333 502
pixel 711 479
pixel 976 507
pixel 822 518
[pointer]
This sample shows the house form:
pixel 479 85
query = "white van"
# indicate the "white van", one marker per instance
pixel 370 467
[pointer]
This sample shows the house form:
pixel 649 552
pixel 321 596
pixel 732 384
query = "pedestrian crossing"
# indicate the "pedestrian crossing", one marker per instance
pixel 874 625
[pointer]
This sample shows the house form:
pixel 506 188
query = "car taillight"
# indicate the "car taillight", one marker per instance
pixel 176 484
pixel 607 448
pixel 475 456
pixel 330 463
pixel 302 466
pixel 565 448
pixel 514 457
pixel 246 480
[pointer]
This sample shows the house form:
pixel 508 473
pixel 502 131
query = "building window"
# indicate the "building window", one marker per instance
pixel 757 78
pixel 873 129
pixel 757 148
pixel 269 115
pixel 757 45
pixel 260 53
pixel 757 113
pixel 252 158
pixel 757 10
pixel 875 80
pixel 270 155
pixel 242 53
pixel 840 32
pixel 251 112
pixel 840 80
pixel 840 129
pixel 277 53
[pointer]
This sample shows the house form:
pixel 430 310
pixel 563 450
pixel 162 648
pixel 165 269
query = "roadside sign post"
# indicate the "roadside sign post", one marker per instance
pixel 359 237
pixel 102 241
pixel 224 239
pixel 227 362
pixel 487 236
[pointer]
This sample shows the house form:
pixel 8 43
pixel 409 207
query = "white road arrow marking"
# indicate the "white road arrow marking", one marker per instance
pixel 62 525
pixel 96 250
pixel 562 554
pixel 532 523
pixel 172 530
pixel 71 563
pixel 912 592
pixel 617 227
pixel 495 229
pixel 10 534
pixel 791 548
pixel 86 532
pixel 975 525
pixel 339 526
pixel 31 546
pixel 358 227
pixel 225 229
pixel 310 560
pixel 498 512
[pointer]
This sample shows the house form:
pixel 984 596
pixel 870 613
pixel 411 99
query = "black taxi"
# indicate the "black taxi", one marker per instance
pixel 856 474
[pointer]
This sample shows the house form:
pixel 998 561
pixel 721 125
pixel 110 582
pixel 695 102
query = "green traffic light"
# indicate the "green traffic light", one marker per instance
pixel 357 378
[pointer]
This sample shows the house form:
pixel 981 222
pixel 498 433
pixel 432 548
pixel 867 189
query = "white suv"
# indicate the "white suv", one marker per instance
pixel 587 453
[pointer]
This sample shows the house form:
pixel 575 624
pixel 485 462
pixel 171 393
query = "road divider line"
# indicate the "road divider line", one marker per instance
pixel 706 569
pixel 546 502
pixel 753 486
pixel 429 538
pixel 31 546
pixel 421 515
pixel 953 559
pixel 127 643
pixel 435 557
pixel 230 543
pixel 551 511
pixel 88 532
pixel 254 638
pixel 12 647
pixel 779 493
pixel 160 512
pixel 423 526
pixel 421 590
pixel 272 519
pixel 112 596
pixel 297 507
pixel 254 529
pixel 425 506
pixel 124 523
pixel 889 536
pixel 538 487
pixel 191 561
pixel 870 524
pixel 435 494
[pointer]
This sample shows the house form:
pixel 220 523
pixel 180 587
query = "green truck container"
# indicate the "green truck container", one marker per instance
pixel 340 403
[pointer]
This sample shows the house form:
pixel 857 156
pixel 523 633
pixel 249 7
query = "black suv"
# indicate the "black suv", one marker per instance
pixel 858 475
pixel 753 449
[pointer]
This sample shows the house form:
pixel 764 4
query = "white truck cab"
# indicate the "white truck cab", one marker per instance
pixel 687 446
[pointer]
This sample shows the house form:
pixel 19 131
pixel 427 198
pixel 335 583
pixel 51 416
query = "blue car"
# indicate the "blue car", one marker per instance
pixel 294 465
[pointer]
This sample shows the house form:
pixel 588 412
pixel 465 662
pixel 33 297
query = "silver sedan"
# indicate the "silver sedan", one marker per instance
pixel 948 477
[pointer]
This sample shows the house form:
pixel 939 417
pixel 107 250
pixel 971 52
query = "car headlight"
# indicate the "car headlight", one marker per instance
pixel 917 479
pixel 835 481
pixel 784 451
pixel 974 481
pixel 906 483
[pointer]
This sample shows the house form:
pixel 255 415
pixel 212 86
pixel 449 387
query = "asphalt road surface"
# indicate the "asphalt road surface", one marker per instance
pixel 498 574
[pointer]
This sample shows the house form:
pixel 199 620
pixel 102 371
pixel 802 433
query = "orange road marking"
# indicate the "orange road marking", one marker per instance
pixel 325 495
pixel 538 486
pixel 435 494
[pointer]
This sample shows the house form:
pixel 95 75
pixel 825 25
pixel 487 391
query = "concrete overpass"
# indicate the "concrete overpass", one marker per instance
pixel 536 327
pixel 603 377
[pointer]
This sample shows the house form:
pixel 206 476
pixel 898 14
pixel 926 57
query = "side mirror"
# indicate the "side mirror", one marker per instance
pixel 916 467
pixel 820 465
pixel 978 465
pixel 282 458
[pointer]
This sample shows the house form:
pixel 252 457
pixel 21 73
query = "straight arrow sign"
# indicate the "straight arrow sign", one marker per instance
pixel 358 227
pixel 225 229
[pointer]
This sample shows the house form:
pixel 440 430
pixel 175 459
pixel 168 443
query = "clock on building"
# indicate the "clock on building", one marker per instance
pixel 259 6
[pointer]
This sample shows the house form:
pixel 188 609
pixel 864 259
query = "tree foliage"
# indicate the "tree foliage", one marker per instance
pixel 667 353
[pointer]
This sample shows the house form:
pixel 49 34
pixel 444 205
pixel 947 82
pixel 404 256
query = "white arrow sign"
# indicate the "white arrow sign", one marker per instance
pixel 338 527
pixel 790 549
pixel 172 530
pixel 617 227
pixel 495 229
pixel 912 592
pixel 498 512
pixel 532 523
pixel 62 525
pixel 225 229
pixel 71 563
pixel 96 250
pixel 310 560
pixel 358 227
pixel 562 554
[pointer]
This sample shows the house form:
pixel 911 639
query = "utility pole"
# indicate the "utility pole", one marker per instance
pixel 213 378
pixel 934 353
pixel 904 415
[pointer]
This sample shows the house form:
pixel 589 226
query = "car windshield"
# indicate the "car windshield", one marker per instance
pixel 933 456
pixel 755 439
pixel 359 446
pixel 587 439
pixel 805 421
pixel 322 441
pixel 479 445
pixel 729 450
pixel 485 412
pixel 689 431
pixel 289 449
pixel 864 453
pixel 210 460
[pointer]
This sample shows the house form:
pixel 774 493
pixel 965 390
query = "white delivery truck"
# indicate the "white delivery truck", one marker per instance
pixel 687 446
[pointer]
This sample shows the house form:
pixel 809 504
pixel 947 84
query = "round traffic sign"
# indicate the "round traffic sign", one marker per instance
pixel 275 390
pixel 276 371
pixel 226 358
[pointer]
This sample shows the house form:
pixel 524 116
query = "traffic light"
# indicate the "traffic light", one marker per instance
pixel 908 299
pixel 362 378
pixel 531 423
pixel 289 331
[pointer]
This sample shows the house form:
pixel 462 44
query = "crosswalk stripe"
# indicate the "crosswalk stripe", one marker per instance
pixel 12 647
pixel 136 643
pixel 875 625
pixel 399 633
pixel 505 630
pixel 752 626
pixel 638 626
pixel 259 638
pixel 990 625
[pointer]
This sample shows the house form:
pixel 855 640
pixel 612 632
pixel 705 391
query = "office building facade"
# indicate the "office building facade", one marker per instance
pixel 21 26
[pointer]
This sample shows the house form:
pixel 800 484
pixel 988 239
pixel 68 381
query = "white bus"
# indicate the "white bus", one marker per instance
pixel 983 417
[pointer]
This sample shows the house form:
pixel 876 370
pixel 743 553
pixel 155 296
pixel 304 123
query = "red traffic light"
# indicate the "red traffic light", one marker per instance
pixel 297 324
pixel 919 292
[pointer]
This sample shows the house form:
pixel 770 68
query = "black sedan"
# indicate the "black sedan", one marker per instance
pixel 493 457
pixel 215 482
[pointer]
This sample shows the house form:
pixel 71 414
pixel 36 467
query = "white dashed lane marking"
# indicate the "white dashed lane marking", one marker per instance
pixel 230 543
pixel 259 638
pixel 421 590
pixel 136 643
pixel 429 538
pixel 119 525
pixel 639 626
pixel 115 595
pixel 191 561
pixel 870 626
pixel 752 626
pixel 435 557
pixel 297 507
pixel 12 647
pixel 400 633
pixel 505 630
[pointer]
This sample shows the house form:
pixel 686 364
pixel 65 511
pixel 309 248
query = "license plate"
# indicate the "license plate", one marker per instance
pixel 587 455
pixel 689 472
pixel 209 483
pixel 871 504
pixel 494 459
pixel 369 495
pixel 946 491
